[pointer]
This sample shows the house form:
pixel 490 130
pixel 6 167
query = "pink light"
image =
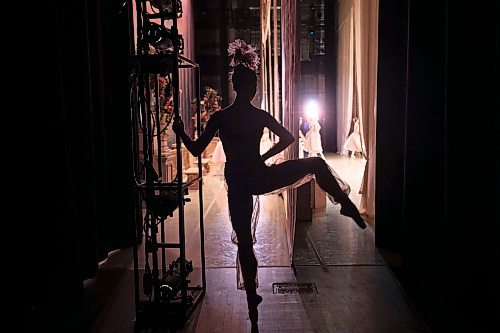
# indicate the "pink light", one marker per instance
pixel 312 110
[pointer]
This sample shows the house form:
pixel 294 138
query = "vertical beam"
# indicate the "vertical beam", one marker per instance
pixel 290 54
pixel 276 78
pixel 330 126
pixel 391 118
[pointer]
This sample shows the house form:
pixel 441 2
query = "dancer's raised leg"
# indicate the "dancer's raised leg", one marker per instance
pixel 287 173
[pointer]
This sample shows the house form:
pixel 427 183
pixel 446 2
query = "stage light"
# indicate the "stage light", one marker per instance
pixel 312 110
pixel 161 38
pixel 166 8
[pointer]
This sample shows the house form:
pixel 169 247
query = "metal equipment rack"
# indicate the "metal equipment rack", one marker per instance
pixel 167 298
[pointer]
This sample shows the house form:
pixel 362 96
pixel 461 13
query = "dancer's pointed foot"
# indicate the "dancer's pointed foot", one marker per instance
pixel 253 313
pixel 350 210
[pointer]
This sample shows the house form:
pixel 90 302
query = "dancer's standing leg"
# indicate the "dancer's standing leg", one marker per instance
pixel 240 210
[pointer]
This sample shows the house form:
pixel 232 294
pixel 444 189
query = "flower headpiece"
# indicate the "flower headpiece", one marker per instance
pixel 243 53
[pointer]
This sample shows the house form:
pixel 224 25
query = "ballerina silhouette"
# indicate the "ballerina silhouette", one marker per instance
pixel 240 127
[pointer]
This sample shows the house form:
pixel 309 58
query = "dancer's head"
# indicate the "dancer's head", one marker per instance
pixel 244 65
pixel 244 82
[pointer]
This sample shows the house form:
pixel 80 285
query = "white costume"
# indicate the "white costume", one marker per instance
pixel 302 139
pixel 312 142
pixel 353 142
pixel 265 145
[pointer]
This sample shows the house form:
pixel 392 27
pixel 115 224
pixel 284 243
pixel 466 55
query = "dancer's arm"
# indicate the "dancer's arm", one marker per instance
pixel 286 138
pixel 198 146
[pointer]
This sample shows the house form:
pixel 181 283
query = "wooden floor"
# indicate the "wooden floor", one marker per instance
pixel 354 291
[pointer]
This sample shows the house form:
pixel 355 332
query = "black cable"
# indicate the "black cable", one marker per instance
pixel 133 136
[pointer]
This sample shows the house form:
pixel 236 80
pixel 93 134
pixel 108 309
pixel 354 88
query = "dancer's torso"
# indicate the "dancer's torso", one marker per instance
pixel 240 131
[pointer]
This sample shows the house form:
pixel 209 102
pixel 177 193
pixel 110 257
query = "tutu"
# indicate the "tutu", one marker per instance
pixel 218 156
pixel 312 142
pixel 344 186
pixel 353 142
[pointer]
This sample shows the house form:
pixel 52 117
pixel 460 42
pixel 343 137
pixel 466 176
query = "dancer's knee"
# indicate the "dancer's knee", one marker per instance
pixel 245 242
pixel 317 162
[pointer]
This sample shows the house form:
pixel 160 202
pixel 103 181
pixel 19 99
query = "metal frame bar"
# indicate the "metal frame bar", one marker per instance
pixel 141 112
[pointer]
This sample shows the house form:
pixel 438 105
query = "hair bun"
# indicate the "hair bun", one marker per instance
pixel 244 54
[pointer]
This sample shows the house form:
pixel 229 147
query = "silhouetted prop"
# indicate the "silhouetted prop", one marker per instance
pixel 167 298
pixel 165 202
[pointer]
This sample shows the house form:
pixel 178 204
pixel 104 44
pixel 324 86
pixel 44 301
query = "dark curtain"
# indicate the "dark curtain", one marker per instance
pixel 437 186
pixel 84 162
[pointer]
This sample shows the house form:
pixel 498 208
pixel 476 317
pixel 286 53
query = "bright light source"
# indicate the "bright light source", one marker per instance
pixel 312 110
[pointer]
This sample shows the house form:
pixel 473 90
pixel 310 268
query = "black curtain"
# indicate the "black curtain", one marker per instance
pixel 84 164
pixel 437 184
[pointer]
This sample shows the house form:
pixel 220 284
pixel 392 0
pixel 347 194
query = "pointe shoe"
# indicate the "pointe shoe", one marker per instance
pixel 253 312
pixel 350 210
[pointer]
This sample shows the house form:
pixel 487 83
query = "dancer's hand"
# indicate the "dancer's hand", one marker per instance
pixel 178 126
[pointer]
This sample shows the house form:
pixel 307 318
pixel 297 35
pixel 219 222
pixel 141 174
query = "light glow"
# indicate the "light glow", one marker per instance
pixel 312 110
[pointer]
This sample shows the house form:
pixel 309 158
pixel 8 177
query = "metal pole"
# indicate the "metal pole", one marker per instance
pixel 175 81
pixel 200 187
pixel 135 154
pixel 159 165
